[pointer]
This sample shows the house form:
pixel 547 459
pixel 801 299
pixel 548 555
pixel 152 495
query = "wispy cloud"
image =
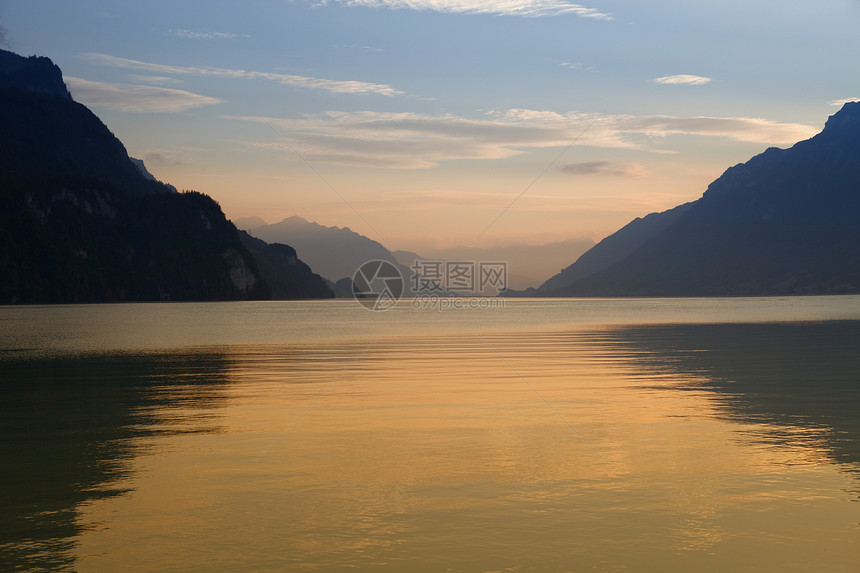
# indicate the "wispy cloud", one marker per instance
pixel 841 102
pixel 682 80
pixel 163 158
pixel 147 79
pixel 747 129
pixel 576 66
pixel 416 141
pixel 627 170
pixel 196 35
pixel 362 48
pixel 335 86
pixel 525 8
pixel 135 98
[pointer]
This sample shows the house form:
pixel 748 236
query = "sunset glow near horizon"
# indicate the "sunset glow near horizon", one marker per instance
pixel 436 122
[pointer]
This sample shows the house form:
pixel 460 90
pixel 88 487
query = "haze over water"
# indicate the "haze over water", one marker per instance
pixel 562 435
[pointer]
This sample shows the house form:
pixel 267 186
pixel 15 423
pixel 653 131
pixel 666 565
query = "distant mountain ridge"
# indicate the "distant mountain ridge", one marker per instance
pixel 333 252
pixel 337 252
pixel 785 222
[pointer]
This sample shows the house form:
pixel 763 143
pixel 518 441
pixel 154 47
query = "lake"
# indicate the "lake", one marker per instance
pixel 655 435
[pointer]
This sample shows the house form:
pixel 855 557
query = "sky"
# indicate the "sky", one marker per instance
pixel 431 123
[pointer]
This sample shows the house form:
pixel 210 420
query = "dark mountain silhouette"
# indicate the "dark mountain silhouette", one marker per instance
pixel 287 276
pixel 77 239
pixel 141 167
pixel 614 248
pixel 49 136
pixel 785 222
pixel 35 74
pixel 80 222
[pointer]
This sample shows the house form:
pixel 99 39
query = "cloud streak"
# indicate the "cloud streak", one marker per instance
pixel 523 8
pixel 746 129
pixel 682 80
pixel 146 79
pixel 194 35
pixel 163 158
pixel 135 98
pixel 579 66
pixel 418 141
pixel 334 86
pixel 626 170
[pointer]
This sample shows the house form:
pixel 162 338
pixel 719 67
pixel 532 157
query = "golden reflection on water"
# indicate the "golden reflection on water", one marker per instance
pixel 616 449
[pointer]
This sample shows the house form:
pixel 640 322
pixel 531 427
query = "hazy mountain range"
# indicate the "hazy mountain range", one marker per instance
pixel 785 222
pixel 336 252
pixel 333 252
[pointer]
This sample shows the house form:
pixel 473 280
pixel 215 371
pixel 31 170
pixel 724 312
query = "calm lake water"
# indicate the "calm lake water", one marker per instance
pixel 687 435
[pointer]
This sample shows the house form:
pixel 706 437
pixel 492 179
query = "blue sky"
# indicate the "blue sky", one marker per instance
pixel 418 122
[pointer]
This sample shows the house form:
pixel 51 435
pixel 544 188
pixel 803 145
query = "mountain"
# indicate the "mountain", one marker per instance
pixel 248 223
pixel 785 222
pixel 78 239
pixel 34 74
pixel 141 167
pixel 48 136
pixel 614 248
pixel 287 276
pixel 406 258
pixel 81 222
pixel 333 252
